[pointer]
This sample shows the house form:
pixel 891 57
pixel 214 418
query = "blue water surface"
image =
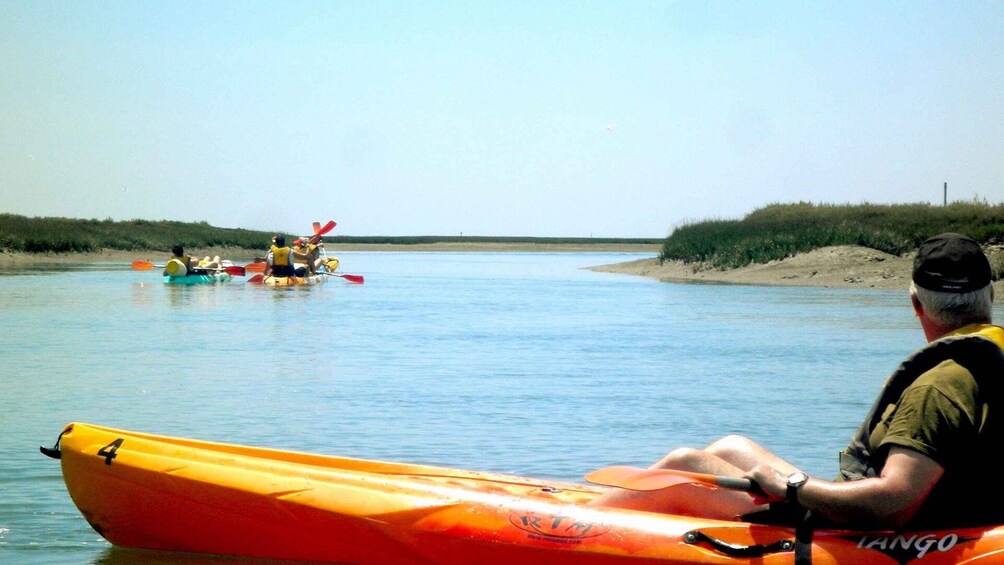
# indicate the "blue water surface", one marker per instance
pixel 522 363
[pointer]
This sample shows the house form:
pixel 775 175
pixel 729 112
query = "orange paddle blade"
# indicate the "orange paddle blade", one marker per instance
pixel 142 265
pixel 319 230
pixel 633 478
pixel 316 238
pixel 354 279
pixel 255 267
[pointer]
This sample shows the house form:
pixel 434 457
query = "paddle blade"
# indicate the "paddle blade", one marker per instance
pixel 633 478
pixel 326 228
pixel 256 279
pixel 142 265
pixel 316 238
pixel 235 271
pixel 255 267
pixel 317 227
pixel 354 279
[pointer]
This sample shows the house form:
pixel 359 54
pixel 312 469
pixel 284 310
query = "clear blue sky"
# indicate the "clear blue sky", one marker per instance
pixel 581 118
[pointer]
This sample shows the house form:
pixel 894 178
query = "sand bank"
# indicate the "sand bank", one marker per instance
pixel 843 266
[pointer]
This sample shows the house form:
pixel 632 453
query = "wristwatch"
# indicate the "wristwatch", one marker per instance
pixel 795 482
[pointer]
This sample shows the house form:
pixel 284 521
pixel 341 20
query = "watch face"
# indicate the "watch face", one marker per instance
pixel 797 479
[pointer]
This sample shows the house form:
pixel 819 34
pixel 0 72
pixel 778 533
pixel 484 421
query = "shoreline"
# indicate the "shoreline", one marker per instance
pixel 844 266
pixel 240 255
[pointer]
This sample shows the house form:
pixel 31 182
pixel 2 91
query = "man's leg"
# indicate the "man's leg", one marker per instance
pixel 740 454
pixel 730 456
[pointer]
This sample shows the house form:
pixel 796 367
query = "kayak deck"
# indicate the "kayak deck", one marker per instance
pixel 157 492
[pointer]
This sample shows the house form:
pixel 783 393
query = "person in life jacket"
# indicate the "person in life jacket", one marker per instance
pixel 179 264
pixel 308 259
pixel 280 259
pixel 207 263
pixel 915 462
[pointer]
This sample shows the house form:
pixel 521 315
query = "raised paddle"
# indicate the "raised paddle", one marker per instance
pixel 354 279
pixel 634 478
pixel 318 232
pixel 318 229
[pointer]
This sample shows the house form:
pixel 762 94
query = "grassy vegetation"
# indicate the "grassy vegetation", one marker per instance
pixel 769 233
pixel 782 230
pixel 62 235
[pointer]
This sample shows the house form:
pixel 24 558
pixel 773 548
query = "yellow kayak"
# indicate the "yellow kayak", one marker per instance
pixel 293 281
pixel 148 491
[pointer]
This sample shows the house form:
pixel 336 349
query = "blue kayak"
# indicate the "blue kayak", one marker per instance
pixel 209 277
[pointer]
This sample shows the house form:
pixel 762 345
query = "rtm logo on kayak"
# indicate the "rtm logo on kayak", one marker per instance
pixel 555 527
pixel 906 548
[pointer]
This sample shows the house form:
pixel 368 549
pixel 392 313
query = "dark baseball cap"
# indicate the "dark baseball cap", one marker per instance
pixel 951 262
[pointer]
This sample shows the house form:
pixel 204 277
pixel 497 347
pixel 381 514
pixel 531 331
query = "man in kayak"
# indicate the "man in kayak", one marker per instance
pixel 180 264
pixel 311 261
pixel 280 259
pixel 207 263
pixel 918 457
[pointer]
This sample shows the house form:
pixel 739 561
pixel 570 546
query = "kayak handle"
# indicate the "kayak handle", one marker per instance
pixel 54 451
pixel 735 550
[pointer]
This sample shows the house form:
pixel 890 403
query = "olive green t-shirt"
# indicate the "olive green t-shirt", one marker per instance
pixel 944 416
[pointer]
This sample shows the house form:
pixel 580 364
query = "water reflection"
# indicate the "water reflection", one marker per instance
pixel 40 267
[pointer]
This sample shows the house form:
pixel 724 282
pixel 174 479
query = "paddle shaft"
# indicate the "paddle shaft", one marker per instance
pixel 147 265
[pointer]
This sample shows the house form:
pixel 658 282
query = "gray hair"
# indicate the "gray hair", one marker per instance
pixel 956 309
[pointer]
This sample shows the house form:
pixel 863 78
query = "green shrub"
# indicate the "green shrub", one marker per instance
pixel 778 231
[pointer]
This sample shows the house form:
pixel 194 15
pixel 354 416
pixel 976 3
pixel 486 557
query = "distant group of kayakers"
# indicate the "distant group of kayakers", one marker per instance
pixel 303 262
pixel 303 258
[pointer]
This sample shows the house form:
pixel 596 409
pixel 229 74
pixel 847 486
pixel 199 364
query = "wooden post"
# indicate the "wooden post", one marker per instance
pixel 945 195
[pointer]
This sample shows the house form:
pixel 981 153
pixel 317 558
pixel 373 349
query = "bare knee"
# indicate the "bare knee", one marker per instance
pixel 684 459
pixel 732 444
pixel 744 453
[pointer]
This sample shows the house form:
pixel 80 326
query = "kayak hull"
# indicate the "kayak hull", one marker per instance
pixel 147 491
pixel 202 278
pixel 293 281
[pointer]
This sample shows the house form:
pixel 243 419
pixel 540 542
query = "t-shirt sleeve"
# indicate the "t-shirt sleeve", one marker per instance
pixel 934 416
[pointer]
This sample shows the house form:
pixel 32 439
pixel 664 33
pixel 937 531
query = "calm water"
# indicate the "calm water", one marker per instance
pixel 518 363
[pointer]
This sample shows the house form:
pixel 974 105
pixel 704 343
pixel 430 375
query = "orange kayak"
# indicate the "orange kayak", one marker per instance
pixel 148 491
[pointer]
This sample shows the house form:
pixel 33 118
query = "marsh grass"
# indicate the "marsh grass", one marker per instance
pixel 63 235
pixel 778 231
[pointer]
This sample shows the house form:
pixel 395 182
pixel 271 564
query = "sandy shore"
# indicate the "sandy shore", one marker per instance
pixel 842 266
